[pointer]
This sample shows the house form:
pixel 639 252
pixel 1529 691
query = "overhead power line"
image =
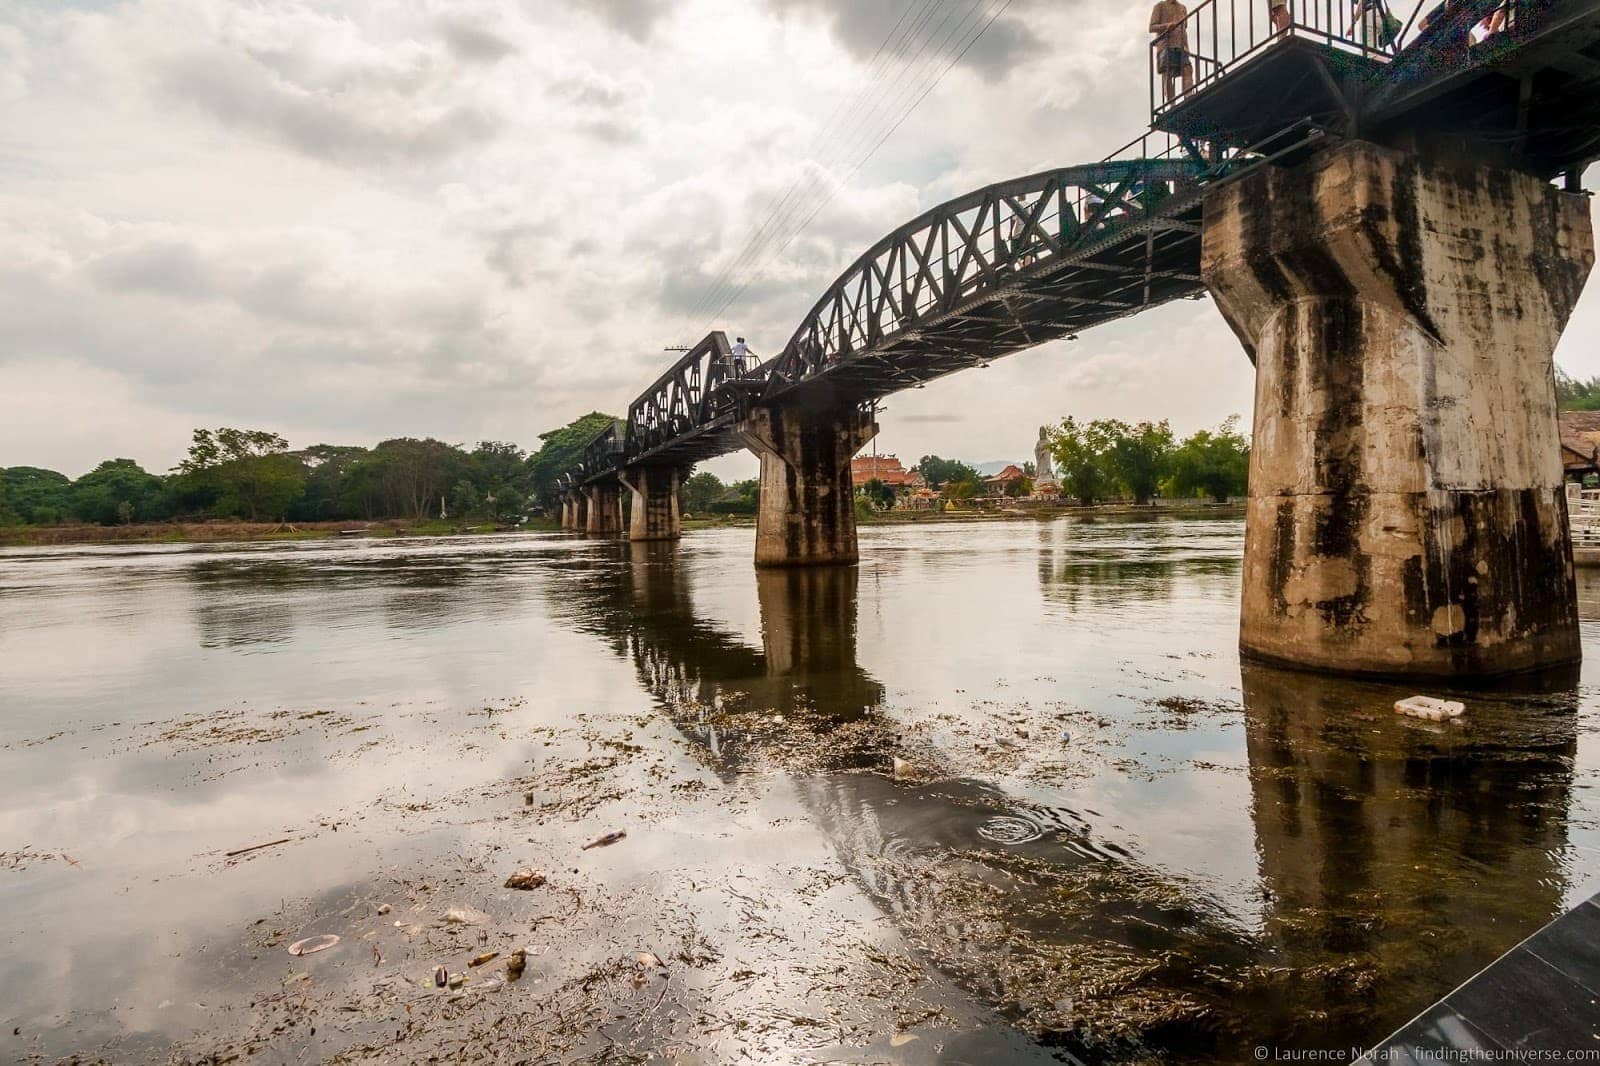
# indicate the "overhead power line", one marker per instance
pixel 830 140
pixel 965 35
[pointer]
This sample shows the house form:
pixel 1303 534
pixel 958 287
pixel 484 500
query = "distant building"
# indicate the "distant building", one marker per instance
pixel 1580 444
pixel 996 486
pixel 887 469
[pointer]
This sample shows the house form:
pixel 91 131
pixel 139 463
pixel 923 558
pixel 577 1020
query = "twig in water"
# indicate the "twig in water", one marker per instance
pixel 257 847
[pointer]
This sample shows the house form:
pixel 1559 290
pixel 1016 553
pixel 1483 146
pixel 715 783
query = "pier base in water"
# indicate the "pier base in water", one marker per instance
pixel 604 512
pixel 655 502
pixel 807 515
pixel 1406 510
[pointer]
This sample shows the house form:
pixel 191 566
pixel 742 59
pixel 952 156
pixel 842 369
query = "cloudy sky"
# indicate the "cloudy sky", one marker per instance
pixel 347 220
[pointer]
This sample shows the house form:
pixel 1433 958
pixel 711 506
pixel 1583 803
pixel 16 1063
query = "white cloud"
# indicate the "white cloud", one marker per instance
pixel 353 219
pixel 13 65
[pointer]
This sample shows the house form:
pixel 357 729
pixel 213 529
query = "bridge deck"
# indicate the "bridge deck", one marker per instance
pixel 1295 79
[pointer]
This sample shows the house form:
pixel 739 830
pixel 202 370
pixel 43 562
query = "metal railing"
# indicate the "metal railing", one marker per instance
pixel 1583 515
pixel 1219 35
pixel 1449 37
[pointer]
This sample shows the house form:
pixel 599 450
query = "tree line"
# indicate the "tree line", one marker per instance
pixel 1107 459
pixel 253 475
pixel 1110 459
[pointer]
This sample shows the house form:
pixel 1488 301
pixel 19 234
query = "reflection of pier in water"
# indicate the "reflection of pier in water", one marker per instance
pixel 1394 858
pixel 805 672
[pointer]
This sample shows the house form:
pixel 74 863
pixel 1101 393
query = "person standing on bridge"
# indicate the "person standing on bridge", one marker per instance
pixel 741 352
pixel 1168 21
pixel 1278 12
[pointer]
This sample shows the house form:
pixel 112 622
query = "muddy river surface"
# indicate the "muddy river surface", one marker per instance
pixel 1003 793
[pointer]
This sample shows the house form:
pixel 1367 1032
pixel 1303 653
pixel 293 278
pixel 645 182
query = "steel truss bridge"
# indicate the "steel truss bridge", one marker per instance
pixel 1038 258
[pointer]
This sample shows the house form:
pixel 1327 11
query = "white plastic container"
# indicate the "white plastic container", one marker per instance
pixel 1430 709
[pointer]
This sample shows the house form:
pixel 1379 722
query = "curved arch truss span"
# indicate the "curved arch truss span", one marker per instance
pixel 1005 268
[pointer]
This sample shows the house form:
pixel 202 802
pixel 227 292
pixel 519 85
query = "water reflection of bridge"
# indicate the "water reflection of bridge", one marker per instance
pixel 1394 860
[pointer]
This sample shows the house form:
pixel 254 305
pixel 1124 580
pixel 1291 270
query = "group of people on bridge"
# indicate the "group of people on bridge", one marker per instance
pixel 1372 25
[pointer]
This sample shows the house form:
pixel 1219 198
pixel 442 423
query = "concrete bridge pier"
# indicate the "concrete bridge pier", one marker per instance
pixel 580 511
pixel 569 511
pixel 604 510
pixel 1406 513
pixel 655 502
pixel 807 515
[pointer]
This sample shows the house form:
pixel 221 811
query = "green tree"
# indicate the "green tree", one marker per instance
pixel 497 462
pixel 464 500
pixel 1140 457
pixel 247 472
pixel 1083 458
pixel 741 498
pixel 327 468
pixel 878 494
pixel 964 489
pixel 560 450
pixel 35 496
pixel 411 475
pixel 1575 394
pixel 939 472
pixel 1214 463
pixel 506 504
pixel 700 492
pixel 1018 487
pixel 118 492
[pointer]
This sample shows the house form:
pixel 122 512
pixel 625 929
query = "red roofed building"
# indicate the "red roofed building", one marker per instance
pixel 997 485
pixel 887 469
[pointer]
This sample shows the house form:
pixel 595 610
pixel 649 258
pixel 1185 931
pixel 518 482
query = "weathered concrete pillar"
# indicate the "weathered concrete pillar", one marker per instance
pixel 655 502
pixel 605 508
pixel 580 510
pixel 568 513
pixel 807 514
pixel 1406 513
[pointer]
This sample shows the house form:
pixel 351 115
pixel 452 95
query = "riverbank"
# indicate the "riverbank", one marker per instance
pixel 216 532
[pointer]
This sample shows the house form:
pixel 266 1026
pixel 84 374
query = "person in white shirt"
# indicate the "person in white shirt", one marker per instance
pixel 741 352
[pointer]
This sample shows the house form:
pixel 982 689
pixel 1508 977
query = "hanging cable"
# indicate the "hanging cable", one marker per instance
pixel 992 14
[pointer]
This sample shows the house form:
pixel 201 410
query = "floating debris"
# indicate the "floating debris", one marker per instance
pixel 607 840
pixel 256 847
pixel 525 880
pixel 441 977
pixel 516 964
pixel 313 944
pixel 486 957
pixel 384 908
pixel 1430 709
pixel 464 916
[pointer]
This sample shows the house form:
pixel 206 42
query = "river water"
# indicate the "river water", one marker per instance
pixel 1002 793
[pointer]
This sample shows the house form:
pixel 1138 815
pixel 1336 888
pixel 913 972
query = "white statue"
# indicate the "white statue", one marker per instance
pixel 1043 472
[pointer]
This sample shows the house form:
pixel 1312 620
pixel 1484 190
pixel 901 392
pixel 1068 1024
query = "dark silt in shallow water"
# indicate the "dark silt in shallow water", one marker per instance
pixel 1002 793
